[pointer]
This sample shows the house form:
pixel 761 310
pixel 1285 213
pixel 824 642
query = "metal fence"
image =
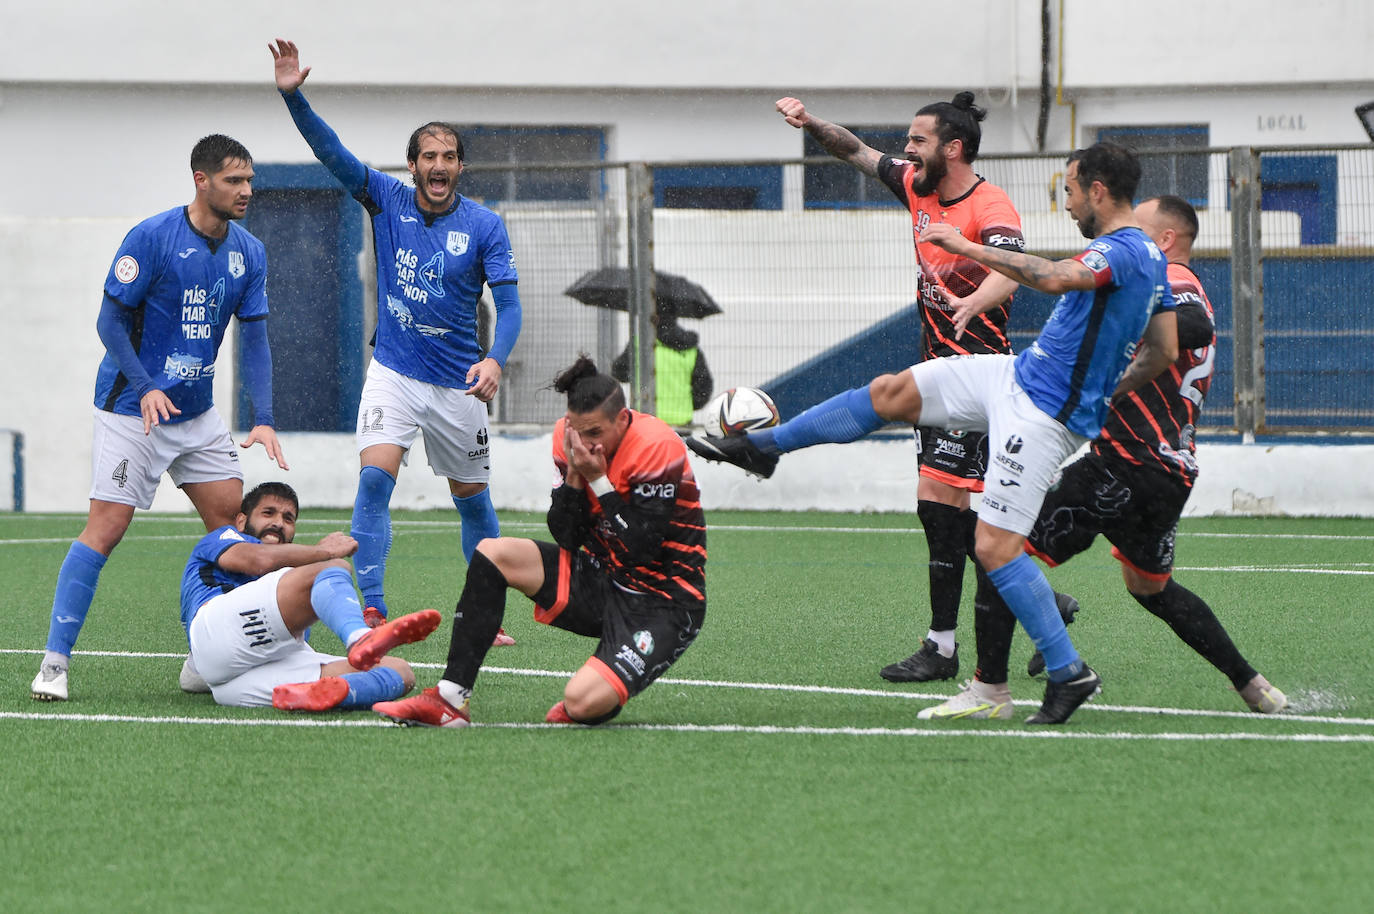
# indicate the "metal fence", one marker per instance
pixel 819 297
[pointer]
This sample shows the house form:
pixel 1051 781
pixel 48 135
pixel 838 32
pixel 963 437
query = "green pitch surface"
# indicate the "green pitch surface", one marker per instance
pixel 771 770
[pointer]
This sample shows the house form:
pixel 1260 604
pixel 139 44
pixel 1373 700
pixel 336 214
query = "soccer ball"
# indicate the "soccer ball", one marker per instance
pixel 740 410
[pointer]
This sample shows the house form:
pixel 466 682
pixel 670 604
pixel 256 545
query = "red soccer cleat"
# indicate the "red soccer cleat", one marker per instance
pixel 558 714
pixel 428 709
pixel 320 695
pixel 369 650
pixel 373 617
pixel 502 639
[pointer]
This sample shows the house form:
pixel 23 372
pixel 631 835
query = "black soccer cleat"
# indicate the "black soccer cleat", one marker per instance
pixel 736 449
pixel 1063 698
pixel 1068 608
pixel 926 665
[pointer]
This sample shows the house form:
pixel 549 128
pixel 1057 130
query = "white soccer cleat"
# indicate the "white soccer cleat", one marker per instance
pixel 50 684
pixel 1262 697
pixel 977 701
pixel 191 680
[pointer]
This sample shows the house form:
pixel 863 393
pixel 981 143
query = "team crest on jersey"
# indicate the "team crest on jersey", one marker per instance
pixel 457 243
pixel 236 264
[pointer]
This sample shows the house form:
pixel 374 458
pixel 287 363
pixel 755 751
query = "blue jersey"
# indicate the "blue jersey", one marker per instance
pixel 430 271
pixel 203 578
pixel 1071 370
pixel 183 288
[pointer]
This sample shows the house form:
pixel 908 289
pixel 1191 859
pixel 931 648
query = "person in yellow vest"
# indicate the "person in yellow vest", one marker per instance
pixel 682 382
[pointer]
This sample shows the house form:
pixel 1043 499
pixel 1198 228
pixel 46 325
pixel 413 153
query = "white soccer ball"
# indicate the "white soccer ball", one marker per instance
pixel 740 410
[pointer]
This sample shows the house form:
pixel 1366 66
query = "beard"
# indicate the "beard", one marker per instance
pixel 1088 225
pixel 270 530
pixel 936 169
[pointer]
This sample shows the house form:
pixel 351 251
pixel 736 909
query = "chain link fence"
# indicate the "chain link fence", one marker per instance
pixel 818 295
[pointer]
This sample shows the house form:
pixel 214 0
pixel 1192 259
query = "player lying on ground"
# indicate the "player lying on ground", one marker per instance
pixel 628 567
pixel 249 594
pixel 1131 487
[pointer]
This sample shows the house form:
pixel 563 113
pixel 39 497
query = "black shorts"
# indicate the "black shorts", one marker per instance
pixel 1135 508
pixel 959 459
pixel 640 635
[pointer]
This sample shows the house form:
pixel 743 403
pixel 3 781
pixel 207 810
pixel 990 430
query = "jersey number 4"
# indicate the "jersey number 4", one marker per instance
pixel 121 472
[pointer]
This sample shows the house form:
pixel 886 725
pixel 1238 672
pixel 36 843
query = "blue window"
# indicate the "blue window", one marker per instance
pixel 490 145
pixel 718 187
pixel 1176 162
pixel 841 186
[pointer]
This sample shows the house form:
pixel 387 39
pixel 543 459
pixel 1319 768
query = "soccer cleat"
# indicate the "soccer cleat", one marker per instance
pixel 977 701
pixel 1063 698
pixel 738 450
pixel 368 650
pixel 320 695
pixel 428 709
pixel 50 684
pixel 926 665
pixel 558 714
pixel 191 680
pixel 502 639
pixel 374 617
pixel 1262 697
pixel 1068 608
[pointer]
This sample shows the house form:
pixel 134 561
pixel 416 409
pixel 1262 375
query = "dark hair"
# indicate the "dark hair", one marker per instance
pixel 1181 211
pixel 261 491
pixel 589 389
pixel 1115 166
pixel 433 128
pixel 958 120
pixel 210 154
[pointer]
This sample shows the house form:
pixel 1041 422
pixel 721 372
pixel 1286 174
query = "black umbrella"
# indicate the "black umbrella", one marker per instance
pixel 676 296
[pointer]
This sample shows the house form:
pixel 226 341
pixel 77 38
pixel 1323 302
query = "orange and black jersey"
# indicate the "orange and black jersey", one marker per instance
pixel 1154 426
pixel 985 214
pixel 650 532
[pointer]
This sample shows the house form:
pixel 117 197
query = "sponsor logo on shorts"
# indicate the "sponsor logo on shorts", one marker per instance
pixel 951 448
pixel 480 452
pixel 644 643
pixel 255 628
pixel 1010 464
pixel 482 437
pixel 629 656
pixel 1008 483
pixel 1014 444
pixel 656 490
pixel 994 504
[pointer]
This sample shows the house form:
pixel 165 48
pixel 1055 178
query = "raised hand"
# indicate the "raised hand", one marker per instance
pixel 287 62
pixel 792 110
pixel 266 435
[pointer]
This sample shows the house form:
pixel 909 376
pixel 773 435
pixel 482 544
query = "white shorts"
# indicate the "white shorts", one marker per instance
pixel 244 650
pixel 394 407
pixel 127 465
pixel 1026 446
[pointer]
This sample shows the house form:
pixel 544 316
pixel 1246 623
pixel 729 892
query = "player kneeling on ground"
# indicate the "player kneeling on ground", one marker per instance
pixel 249 594
pixel 628 567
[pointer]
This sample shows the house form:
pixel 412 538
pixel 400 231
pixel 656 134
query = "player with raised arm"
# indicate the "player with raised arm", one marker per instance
pixel 964 309
pixel 627 565
pixel 435 250
pixel 248 595
pixel 1037 407
pixel 175 283
pixel 1131 487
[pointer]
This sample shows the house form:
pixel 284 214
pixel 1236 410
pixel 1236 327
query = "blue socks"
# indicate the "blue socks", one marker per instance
pixel 1027 592
pixel 381 683
pixel 479 520
pixel 335 603
pixel 843 418
pixel 372 530
pixel 72 599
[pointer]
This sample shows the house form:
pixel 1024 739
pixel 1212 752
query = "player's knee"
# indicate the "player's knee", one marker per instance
pixel 590 701
pixel 466 489
pixel 890 394
pixel 400 666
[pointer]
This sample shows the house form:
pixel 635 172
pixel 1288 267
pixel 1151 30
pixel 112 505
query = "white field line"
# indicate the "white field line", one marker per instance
pixel 731 728
pixel 800 688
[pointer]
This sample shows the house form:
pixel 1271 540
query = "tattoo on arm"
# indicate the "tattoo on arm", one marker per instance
pixel 1052 276
pixel 844 145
